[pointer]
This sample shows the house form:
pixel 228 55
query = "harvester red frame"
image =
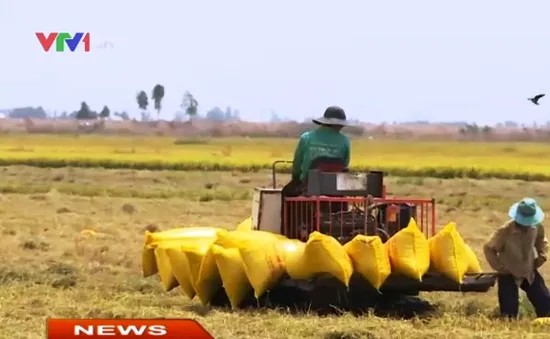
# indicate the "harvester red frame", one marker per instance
pixel 309 210
pixel 314 219
pixel 426 221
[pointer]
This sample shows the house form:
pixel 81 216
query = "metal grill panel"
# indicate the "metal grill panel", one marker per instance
pixel 345 217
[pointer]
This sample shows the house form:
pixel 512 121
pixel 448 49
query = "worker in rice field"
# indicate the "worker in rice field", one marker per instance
pixel 325 142
pixel 516 251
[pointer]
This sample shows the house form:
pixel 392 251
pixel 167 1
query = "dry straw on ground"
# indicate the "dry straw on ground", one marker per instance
pixel 51 268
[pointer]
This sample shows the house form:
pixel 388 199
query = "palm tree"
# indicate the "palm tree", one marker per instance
pixel 158 94
pixel 142 100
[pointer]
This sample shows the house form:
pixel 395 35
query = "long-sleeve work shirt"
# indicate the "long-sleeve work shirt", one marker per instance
pixel 322 142
pixel 513 249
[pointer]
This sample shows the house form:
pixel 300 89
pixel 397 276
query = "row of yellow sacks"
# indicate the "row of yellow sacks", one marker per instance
pixel 202 260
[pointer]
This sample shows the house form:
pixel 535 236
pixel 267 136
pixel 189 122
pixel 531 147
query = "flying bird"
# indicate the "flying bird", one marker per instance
pixel 536 98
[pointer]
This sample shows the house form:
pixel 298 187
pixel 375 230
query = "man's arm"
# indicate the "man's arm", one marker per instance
pixel 298 157
pixel 541 245
pixel 347 153
pixel 493 247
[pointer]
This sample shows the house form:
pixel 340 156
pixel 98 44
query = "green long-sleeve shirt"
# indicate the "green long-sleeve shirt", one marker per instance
pixel 322 142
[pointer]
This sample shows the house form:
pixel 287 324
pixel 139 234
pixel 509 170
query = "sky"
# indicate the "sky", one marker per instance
pixel 388 61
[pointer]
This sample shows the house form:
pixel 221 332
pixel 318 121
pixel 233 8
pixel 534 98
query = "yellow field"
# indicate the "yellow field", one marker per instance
pixel 527 161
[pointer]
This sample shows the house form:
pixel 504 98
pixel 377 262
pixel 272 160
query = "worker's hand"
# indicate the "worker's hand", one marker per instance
pixel 539 261
pixel 501 270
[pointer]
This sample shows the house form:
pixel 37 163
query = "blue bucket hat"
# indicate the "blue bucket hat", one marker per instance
pixel 526 212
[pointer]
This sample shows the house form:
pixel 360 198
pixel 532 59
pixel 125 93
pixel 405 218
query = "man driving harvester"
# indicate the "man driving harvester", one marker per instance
pixel 326 144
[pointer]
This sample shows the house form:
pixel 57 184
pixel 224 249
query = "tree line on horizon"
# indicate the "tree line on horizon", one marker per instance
pixel 215 113
pixel 189 106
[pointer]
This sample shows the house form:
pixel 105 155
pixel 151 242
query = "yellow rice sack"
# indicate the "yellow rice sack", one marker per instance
pixel 166 275
pixel 370 258
pixel 233 275
pixel 148 261
pixel 448 253
pixel 541 321
pixel 294 256
pixel 261 255
pixel 239 238
pixel 205 277
pixel 409 252
pixel 263 264
pixel 473 262
pixel 245 225
pixel 321 254
pixel 180 269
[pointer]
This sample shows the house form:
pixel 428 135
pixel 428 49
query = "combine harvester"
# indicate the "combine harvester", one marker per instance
pixel 342 244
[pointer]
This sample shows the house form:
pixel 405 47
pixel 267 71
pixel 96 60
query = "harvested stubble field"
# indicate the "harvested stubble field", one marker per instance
pixel 526 161
pixel 49 269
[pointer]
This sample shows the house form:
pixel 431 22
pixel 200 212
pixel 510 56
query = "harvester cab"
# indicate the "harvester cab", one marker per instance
pixel 339 203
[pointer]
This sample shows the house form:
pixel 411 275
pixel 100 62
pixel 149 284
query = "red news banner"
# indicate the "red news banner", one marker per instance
pixel 126 328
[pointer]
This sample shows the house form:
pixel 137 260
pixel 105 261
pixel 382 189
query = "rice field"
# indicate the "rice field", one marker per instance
pixel 52 270
pixel 525 161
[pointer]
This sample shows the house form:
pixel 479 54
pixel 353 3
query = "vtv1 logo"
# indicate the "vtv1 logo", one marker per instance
pixel 61 39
